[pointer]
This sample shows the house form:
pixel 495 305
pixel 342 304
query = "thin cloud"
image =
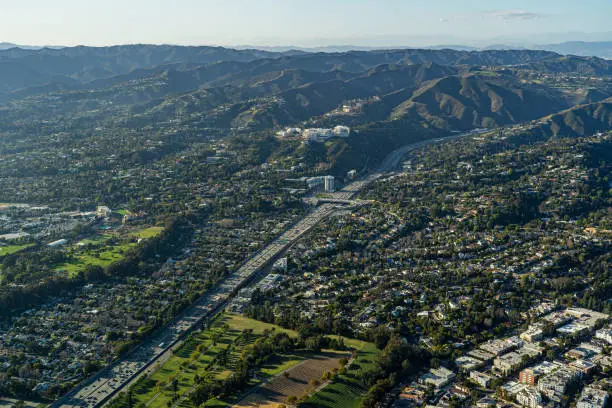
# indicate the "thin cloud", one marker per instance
pixel 513 15
pixel 508 15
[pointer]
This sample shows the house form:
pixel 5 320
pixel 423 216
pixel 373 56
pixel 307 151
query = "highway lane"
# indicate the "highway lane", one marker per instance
pixel 153 351
pixel 115 378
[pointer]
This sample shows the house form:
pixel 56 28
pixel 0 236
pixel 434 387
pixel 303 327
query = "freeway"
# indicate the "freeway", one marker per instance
pixel 158 347
pixel 113 379
pixel 390 163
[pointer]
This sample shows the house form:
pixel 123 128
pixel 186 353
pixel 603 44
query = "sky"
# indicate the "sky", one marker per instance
pixel 303 22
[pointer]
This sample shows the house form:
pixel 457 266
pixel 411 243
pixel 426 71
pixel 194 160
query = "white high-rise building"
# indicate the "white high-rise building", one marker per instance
pixel 329 184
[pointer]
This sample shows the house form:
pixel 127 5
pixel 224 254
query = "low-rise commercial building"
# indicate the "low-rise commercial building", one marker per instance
pixel 438 377
pixel 592 398
pixel 583 366
pixel 467 363
pixel 482 379
pixel 572 329
pixel 531 375
pixel 605 334
pixel 529 397
pixel 532 334
pixel 501 346
pixel 555 384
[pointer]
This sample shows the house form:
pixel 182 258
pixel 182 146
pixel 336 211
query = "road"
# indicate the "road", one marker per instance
pixel 158 347
pixel 390 163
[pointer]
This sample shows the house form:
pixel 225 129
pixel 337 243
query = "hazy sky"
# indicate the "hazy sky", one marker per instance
pixel 301 22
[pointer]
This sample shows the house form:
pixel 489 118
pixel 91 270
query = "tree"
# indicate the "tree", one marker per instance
pixel 343 362
pixel 434 362
pixel 130 398
pixel 215 337
pixel 175 386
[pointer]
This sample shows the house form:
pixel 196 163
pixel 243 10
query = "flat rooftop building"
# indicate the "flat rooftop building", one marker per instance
pixel 592 398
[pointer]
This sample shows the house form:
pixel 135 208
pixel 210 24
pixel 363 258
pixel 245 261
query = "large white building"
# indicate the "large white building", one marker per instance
pixel 514 360
pixel 605 334
pixel 290 132
pixel 103 211
pixel 532 334
pixel 321 135
pixel 501 346
pixel 315 134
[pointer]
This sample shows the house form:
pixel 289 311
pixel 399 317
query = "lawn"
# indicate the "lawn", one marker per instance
pixel 13 249
pixel 278 364
pixel 147 232
pixel 346 390
pixel 239 322
pixel 99 253
pixel 103 258
pixel 197 356
pixel 95 239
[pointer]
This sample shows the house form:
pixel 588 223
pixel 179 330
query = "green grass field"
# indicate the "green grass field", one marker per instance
pixel 96 250
pixel 197 357
pixel 346 390
pixel 95 239
pixel 102 258
pixel 13 249
pixel 244 323
pixel 147 232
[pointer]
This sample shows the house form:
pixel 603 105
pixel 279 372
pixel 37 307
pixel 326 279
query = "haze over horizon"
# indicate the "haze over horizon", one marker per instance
pixel 292 23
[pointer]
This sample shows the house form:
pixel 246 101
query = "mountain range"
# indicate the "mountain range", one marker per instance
pixel 602 49
pixel 402 93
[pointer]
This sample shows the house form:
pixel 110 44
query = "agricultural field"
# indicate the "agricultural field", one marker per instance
pixel 212 355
